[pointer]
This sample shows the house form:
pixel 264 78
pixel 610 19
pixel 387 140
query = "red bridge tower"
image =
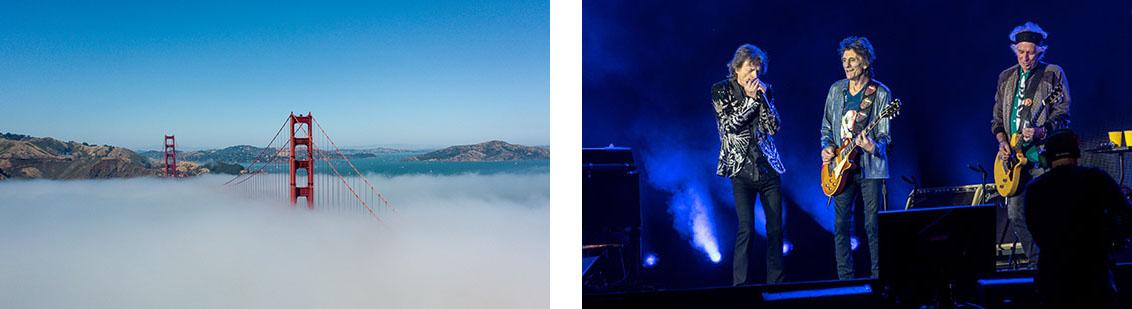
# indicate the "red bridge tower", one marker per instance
pixel 305 162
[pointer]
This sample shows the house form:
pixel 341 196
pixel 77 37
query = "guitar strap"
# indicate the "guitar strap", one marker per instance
pixel 1032 85
pixel 870 95
pixel 867 101
pixel 1031 89
pixel 1034 81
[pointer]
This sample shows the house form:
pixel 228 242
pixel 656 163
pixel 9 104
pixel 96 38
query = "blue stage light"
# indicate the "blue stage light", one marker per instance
pixel 650 260
pixel 787 247
pixel 715 256
pixel 853 242
pixel 835 292
pixel 694 207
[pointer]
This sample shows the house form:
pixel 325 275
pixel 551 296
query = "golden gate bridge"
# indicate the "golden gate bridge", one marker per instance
pixel 303 167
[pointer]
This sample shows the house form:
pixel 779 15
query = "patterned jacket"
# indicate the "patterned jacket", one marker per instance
pixel 740 121
pixel 1054 116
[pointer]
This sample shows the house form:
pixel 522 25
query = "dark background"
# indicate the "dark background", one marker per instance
pixel 648 66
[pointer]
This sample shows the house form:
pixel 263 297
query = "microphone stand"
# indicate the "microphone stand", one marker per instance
pixel 1006 227
pixel 915 187
pixel 978 168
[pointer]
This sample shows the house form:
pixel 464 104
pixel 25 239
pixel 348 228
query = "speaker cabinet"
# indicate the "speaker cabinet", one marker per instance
pixel 611 211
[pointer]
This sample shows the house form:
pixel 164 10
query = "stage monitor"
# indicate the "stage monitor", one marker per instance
pixel 925 250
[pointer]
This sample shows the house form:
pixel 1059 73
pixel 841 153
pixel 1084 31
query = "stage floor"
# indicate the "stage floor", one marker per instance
pixel 1003 289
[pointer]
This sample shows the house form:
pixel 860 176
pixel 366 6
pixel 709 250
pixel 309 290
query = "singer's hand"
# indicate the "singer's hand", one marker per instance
pixel 1003 150
pixel 751 87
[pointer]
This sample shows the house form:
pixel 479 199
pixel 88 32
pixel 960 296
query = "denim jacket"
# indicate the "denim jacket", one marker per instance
pixel 873 165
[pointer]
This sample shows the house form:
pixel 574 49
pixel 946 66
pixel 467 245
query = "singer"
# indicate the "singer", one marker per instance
pixel 746 119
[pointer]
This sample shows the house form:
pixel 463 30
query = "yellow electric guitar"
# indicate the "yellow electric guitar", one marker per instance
pixel 1008 175
pixel 845 156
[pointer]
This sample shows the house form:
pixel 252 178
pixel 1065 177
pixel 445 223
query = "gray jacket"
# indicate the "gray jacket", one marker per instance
pixel 1055 116
pixel 873 165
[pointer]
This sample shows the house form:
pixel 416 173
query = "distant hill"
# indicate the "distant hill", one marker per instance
pixel 246 153
pixel 373 151
pixel 488 151
pixel 242 153
pixel 224 168
pixel 23 156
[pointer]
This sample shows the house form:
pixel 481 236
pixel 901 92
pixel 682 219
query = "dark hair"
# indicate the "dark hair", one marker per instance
pixel 861 46
pixel 744 53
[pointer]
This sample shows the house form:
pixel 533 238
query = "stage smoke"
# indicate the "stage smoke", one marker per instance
pixel 690 206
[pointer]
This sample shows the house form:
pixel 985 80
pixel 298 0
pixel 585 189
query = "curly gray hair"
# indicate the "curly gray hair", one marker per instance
pixel 1029 27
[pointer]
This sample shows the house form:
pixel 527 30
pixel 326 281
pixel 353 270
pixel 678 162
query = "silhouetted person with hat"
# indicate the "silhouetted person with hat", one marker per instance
pixel 1071 212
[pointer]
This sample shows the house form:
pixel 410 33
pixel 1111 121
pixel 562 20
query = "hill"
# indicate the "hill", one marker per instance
pixel 488 151
pixel 23 156
pixel 247 154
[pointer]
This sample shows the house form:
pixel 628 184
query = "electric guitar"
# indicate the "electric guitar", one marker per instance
pixel 845 156
pixel 1008 171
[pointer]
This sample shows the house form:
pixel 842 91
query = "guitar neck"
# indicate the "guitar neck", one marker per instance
pixel 1034 118
pixel 869 128
pixel 853 146
pixel 889 111
pixel 1055 95
pixel 871 125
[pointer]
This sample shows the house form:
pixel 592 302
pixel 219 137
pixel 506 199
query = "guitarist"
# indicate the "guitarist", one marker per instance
pixel 1021 90
pixel 746 118
pixel 850 105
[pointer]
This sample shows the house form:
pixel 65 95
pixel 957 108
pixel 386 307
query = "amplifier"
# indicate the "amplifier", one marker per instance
pixel 973 194
pixel 611 211
pixel 952 196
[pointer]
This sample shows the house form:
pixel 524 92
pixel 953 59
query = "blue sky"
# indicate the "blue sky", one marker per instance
pixel 432 73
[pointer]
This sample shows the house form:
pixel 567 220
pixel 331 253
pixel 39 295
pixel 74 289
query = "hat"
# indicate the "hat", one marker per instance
pixel 1062 143
pixel 1029 36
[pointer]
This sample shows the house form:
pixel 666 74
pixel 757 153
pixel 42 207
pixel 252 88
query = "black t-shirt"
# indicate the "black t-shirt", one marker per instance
pixel 1070 211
